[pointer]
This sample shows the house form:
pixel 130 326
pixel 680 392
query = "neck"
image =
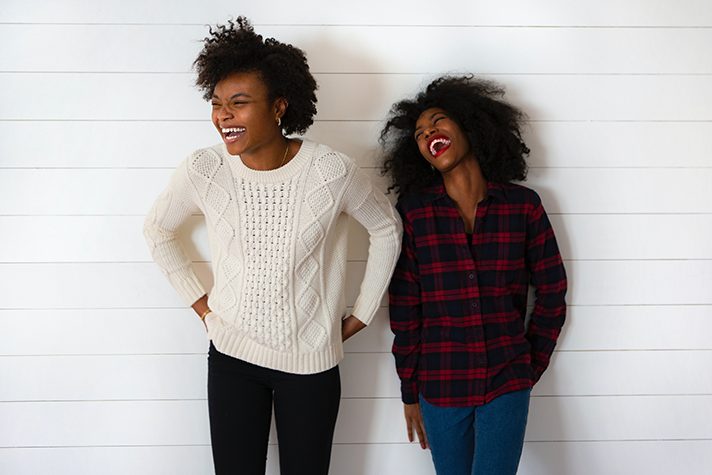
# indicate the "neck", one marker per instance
pixel 269 156
pixel 466 184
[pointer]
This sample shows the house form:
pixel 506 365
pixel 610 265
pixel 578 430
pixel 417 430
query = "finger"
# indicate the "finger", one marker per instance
pixel 409 426
pixel 422 436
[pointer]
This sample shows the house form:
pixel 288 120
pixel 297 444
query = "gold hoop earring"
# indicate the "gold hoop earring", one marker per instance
pixel 279 122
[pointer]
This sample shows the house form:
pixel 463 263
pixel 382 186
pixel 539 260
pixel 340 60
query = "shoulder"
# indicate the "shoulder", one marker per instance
pixel 330 164
pixel 408 201
pixel 412 206
pixel 515 193
pixel 325 152
pixel 205 161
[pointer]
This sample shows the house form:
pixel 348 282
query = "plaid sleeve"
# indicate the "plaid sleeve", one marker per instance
pixel 405 314
pixel 548 277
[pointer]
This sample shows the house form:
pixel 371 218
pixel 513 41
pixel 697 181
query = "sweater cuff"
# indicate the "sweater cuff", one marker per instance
pixel 362 311
pixel 189 288
pixel 409 392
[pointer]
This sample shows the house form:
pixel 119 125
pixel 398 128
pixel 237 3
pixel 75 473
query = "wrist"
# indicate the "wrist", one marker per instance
pixel 205 314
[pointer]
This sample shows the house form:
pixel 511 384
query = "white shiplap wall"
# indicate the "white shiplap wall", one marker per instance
pixel 103 372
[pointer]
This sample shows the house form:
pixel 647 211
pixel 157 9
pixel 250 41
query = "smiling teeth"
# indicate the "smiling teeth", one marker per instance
pixel 433 149
pixel 236 130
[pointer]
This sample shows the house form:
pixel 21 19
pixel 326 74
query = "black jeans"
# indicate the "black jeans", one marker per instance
pixel 240 398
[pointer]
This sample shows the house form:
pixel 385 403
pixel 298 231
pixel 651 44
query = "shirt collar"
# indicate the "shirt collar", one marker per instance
pixel 436 191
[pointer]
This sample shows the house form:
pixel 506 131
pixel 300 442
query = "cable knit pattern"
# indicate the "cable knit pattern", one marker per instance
pixel 266 231
pixel 278 243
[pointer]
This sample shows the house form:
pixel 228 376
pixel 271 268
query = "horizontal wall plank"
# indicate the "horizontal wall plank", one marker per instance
pixel 172 96
pixel 70 424
pixel 363 375
pixel 563 190
pixel 539 458
pixel 347 49
pixel 636 328
pixel 141 144
pixel 149 460
pixel 672 236
pixel 143 285
pixel 449 12
pixel 617 458
pixel 52 239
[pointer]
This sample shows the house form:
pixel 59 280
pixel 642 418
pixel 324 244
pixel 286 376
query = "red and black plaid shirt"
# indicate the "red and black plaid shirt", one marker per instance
pixel 458 302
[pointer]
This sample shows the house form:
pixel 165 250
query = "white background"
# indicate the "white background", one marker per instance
pixel 102 371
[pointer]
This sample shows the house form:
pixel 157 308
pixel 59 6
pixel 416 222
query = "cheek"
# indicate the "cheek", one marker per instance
pixel 424 152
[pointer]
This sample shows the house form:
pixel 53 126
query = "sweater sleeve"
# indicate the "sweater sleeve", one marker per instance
pixel 375 213
pixel 170 210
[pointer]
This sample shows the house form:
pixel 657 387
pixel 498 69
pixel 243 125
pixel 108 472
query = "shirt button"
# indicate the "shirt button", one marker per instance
pixel 470 276
pixel 473 305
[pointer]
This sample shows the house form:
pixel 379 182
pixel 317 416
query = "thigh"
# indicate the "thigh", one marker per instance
pixel 240 407
pixel 305 410
pixel 450 433
pixel 499 434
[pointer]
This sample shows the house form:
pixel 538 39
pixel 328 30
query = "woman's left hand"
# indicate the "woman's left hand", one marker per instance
pixel 350 326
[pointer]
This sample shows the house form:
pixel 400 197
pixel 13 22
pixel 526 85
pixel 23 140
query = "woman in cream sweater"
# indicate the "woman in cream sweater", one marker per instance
pixel 276 211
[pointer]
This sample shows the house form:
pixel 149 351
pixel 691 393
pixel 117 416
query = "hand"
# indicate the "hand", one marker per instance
pixel 414 420
pixel 202 310
pixel 350 326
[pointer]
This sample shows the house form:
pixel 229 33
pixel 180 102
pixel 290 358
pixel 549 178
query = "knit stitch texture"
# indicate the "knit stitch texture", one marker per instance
pixel 278 243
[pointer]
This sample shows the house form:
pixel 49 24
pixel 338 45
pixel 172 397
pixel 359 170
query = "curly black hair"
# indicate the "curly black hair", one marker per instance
pixel 491 125
pixel 236 48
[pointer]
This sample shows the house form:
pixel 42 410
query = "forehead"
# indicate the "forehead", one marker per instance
pixel 249 83
pixel 427 115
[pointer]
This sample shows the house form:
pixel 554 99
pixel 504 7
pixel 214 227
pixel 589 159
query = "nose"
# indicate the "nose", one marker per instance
pixel 223 113
pixel 430 130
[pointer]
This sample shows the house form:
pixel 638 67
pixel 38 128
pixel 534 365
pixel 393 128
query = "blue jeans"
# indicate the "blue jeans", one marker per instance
pixel 483 440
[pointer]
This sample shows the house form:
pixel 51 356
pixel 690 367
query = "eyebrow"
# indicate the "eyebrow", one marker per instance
pixel 239 94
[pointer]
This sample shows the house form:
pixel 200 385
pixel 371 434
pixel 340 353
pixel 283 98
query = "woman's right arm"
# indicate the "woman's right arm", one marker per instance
pixel 171 209
pixel 405 317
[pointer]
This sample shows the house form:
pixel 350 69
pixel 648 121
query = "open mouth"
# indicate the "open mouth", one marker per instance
pixel 438 145
pixel 231 134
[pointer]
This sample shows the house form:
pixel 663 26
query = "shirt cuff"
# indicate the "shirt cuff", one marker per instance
pixel 409 392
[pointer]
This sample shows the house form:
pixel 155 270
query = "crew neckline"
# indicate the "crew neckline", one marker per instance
pixel 283 173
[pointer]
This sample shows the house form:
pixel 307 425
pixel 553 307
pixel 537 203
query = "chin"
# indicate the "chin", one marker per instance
pixel 233 149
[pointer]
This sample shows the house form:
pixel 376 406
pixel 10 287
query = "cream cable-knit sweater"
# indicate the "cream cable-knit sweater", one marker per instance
pixel 278 243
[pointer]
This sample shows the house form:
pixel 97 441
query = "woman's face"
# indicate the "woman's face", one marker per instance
pixel 440 139
pixel 244 115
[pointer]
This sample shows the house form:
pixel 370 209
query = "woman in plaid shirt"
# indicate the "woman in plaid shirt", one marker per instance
pixel 472 243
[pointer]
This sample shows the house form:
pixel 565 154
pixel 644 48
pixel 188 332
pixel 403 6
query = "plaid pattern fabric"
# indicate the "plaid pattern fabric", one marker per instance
pixel 458 302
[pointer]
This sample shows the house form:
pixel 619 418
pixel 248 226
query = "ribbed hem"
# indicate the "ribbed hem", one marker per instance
pixel 188 287
pixel 238 345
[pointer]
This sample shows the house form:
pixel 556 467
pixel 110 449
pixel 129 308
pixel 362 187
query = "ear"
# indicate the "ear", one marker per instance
pixel 280 107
